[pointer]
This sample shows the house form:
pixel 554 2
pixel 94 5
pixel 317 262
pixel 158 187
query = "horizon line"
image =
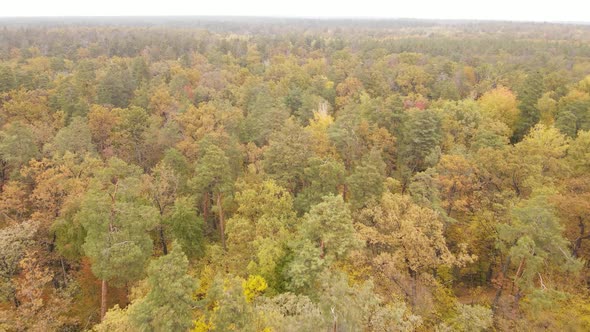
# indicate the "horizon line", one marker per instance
pixel 295 17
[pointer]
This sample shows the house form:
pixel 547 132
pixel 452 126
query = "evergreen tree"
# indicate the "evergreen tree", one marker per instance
pixel 168 306
pixel 528 97
pixel 213 176
pixel 287 155
pixel 117 224
pixel 7 79
pixel 419 145
pixel 366 183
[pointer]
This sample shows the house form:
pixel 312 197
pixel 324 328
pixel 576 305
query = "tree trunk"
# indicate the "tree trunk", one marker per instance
pixel 206 208
pixel 163 240
pixel 103 299
pixel 578 242
pixel 501 287
pixel 414 276
pixel 63 270
pixel 335 321
pixel 345 192
pixel 221 221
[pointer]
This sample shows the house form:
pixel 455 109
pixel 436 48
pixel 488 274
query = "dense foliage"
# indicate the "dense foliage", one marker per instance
pixel 294 175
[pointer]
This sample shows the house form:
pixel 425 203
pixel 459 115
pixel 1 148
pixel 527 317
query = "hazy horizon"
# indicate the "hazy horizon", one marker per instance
pixel 153 18
pixel 568 11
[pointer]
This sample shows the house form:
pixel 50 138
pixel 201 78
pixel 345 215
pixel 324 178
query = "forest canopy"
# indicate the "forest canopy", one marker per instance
pixel 248 174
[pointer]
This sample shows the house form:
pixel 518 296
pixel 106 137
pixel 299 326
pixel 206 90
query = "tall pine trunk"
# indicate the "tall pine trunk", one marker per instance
pixel 501 286
pixel 206 207
pixel 163 240
pixel 414 276
pixel 103 299
pixel 578 242
pixel 221 221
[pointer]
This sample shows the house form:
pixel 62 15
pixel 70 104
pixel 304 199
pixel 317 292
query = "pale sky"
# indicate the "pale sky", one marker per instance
pixel 513 10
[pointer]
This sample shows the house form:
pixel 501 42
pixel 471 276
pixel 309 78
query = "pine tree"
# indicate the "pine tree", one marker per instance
pixel 531 91
pixel 213 176
pixel 287 154
pixel 169 304
pixel 366 183
pixel 117 224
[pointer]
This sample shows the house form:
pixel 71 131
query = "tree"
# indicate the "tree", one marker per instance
pixel 209 119
pixel 318 132
pixel 419 145
pixel 186 226
pixel 14 202
pixel 75 138
pixel 117 224
pixel 366 182
pixel 168 306
pixel 533 243
pixel 263 117
pixel 14 240
pixel 544 147
pixel 346 137
pixel 213 176
pixel 500 104
pixel 471 318
pixel 321 177
pixel 7 79
pixel 573 206
pixel 162 188
pixel 349 307
pixel 326 235
pixel 115 88
pixel 406 241
pixel 41 308
pixel 132 134
pixel 579 153
pixel 328 225
pixel 458 184
pixel 225 308
pixel 17 147
pixel 528 97
pixel 102 123
pixel 258 231
pixel 68 99
pixel 286 156
pixel 291 313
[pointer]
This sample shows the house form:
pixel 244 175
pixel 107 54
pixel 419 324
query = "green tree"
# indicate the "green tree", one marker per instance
pixel 131 134
pixel 225 307
pixel 287 155
pixel 168 306
pixel 117 223
pixel 115 88
pixel 75 138
pixel 186 226
pixel 17 147
pixel 7 79
pixel 366 182
pixel 326 235
pixel 533 243
pixel 528 97
pixel 213 176
pixel 264 116
pixel 322 176
pixel 419 144
pixel 162 188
